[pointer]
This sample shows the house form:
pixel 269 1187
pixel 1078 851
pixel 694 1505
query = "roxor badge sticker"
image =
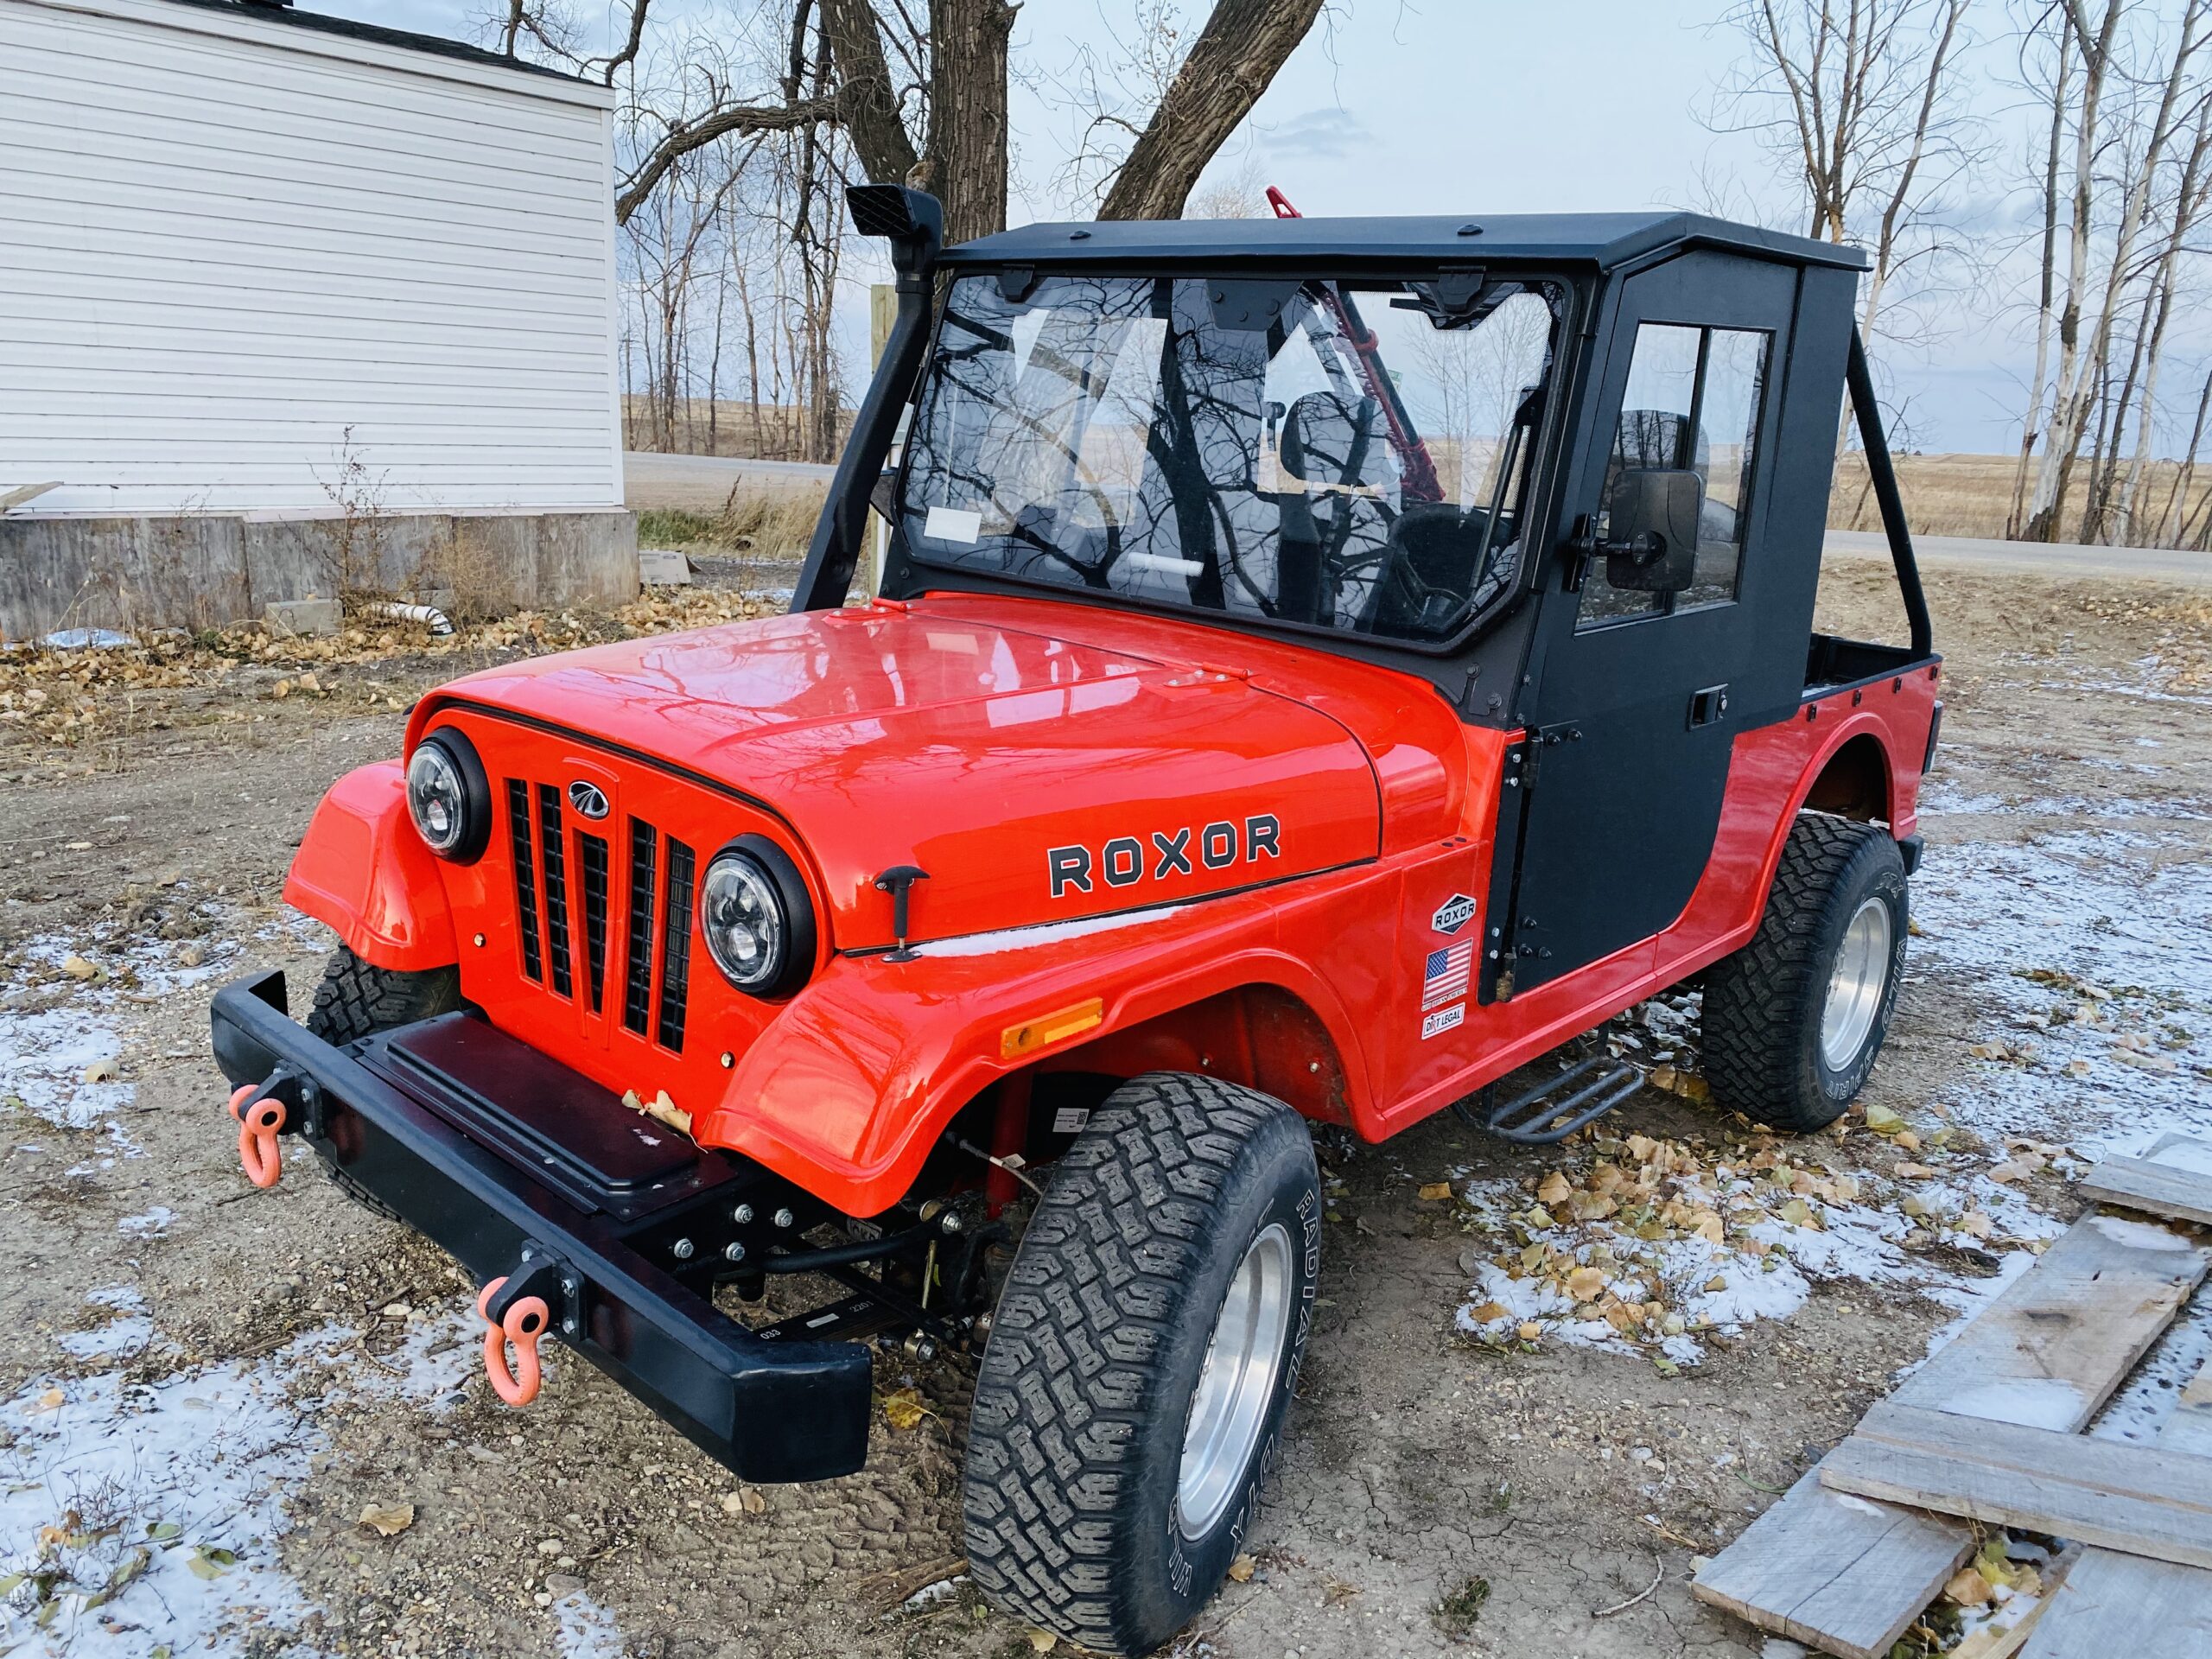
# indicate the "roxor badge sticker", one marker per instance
pixel 1453 913
pixel 1123 861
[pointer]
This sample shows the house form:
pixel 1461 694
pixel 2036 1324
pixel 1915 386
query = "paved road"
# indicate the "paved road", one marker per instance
pixel 2050 559
pixel 702 483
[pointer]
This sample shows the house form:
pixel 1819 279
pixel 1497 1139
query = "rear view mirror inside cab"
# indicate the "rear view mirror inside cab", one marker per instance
pixel 1651 540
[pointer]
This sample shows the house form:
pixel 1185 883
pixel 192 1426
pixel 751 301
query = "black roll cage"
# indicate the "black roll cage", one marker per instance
pixel 913 221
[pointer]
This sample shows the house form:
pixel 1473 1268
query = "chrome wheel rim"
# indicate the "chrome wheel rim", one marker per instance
pixel 1855 986
pixel 1229 1406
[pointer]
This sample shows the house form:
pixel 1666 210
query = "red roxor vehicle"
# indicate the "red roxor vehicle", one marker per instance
pixel 1321 668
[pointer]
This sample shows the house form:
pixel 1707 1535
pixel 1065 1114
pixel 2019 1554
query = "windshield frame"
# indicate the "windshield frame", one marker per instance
pixel 1541 472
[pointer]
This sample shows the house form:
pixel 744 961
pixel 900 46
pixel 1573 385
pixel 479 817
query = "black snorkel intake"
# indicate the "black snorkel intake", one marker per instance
pixel 914 222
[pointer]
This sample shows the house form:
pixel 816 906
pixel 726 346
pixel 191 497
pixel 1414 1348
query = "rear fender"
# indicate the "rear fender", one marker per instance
pixel 867 1064
pixel 362 869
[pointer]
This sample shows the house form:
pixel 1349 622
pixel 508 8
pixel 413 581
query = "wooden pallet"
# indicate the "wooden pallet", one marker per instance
pixel 1990 1430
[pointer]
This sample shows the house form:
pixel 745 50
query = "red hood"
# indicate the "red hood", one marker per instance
pixel 963 738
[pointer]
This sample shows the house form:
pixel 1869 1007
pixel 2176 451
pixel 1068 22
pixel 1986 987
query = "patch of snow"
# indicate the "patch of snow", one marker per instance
pixel 587 1629
pixel 152 1224
pixel 167 1498
pixel 2090 953
pixel 2139 1234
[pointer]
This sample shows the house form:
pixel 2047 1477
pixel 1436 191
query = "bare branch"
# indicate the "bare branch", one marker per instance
pixel 683 136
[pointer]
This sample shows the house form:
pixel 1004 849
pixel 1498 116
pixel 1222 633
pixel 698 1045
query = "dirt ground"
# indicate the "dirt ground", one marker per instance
pixel 221 1380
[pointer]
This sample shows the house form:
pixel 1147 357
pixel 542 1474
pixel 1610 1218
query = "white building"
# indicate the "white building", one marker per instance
pixel 241 245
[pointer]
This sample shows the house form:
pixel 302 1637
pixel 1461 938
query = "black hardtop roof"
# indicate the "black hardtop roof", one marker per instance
pixel 283 12
pixel 1606 241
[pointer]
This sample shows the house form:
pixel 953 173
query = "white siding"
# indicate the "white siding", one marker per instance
pixel 225 240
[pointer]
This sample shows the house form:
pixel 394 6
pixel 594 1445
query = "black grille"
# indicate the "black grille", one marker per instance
pixel 676 946
pixel 655 891
pixel 533 963
pixel 592 852
pixel 638 968
pixel 552 848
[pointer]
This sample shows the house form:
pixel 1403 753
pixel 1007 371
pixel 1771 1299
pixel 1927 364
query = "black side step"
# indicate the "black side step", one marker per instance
pixel 1557 1107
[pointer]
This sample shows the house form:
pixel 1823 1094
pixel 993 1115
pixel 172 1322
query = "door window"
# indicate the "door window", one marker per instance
pixel 1692 400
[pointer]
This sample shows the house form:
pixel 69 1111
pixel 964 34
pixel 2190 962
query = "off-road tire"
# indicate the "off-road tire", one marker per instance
pixel 1763 1005
pixel 1075 1437
pixel 357 999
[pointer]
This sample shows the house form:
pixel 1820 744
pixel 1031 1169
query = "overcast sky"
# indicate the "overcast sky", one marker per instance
pixel 1474 107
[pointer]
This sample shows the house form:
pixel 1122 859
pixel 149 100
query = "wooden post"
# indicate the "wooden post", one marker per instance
pixel 882 309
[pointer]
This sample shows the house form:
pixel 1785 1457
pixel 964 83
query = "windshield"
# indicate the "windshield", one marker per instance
pixel 1351 455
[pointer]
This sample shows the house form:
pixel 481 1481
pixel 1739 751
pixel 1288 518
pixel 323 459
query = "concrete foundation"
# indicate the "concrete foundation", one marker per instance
pixel 205 571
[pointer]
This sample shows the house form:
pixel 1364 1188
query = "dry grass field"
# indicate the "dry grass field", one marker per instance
pixel 1967 495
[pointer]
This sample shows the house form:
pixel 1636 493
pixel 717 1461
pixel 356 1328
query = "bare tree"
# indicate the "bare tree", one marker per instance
pixel 1861 102
pixel 2131 163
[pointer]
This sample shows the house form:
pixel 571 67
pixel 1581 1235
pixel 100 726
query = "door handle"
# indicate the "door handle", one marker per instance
pixel 1708 705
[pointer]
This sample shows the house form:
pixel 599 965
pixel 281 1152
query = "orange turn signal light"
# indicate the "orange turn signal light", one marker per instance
pixel 1048 1028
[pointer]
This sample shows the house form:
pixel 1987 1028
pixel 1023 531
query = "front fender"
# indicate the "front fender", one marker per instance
pixel 362 869
pixel 867 1064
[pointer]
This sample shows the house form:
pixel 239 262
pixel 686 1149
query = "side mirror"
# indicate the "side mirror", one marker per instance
pixel 1651 547
pixel 1323 444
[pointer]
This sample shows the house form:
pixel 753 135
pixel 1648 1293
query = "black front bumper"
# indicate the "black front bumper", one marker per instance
pixel 770 1410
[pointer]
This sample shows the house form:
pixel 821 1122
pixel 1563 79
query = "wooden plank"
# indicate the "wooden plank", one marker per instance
pixel 2153 1610
pixel 2104 1492
pixel 1837 1572
pixel 2061 1336
pixel 2115 1605
pixel 2189 1431
pixel 2050 1349
pixel 2173 1178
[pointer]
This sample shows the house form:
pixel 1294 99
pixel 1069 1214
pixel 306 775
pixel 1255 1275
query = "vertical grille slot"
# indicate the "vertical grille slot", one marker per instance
pixel 637 971
pixel 592 853
pixel 533 963
pixel 676 946
pixel 552 846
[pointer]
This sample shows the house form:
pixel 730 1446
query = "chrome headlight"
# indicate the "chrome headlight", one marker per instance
pixel 756 916
pixel 448 797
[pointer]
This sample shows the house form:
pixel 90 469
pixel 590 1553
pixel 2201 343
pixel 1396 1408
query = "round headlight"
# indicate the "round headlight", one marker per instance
pixel 448 798
pixel 757 918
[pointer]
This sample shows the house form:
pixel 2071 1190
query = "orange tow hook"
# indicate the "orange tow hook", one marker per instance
pixel 257 1127
pixel 524 1324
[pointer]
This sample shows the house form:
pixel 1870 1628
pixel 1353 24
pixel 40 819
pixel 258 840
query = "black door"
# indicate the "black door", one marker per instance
pixel 1630 716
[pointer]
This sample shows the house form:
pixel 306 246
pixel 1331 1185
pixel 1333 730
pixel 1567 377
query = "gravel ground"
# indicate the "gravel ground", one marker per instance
pixel 210 1384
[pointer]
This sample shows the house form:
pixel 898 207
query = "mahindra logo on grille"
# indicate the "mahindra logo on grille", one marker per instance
pixel 588 799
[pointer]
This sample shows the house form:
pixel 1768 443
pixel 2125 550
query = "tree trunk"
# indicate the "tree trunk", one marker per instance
pixel 966 163
pixel 2031 423
pixel 1242 46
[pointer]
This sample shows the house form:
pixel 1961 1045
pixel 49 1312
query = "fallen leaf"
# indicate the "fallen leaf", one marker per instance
pixel 1488 1312
pixel 102 1072
pixel 1437 1190
pixel 1883 1120
pixel 1529 1331
pixel 1968 1588
pixel 390 1520
pixel 1554 1189
pixel 903 1407
pixel 1908 1139
pixel 1043 1641
pixel 52 1399
pixel 1717 1282
pixel 1909 1172
pixel 1240 1569
pixel 1584 1284
pixel 78 968
pixel 1976 1223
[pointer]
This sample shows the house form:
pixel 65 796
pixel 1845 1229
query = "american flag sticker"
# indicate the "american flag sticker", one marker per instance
pixel 1444 975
